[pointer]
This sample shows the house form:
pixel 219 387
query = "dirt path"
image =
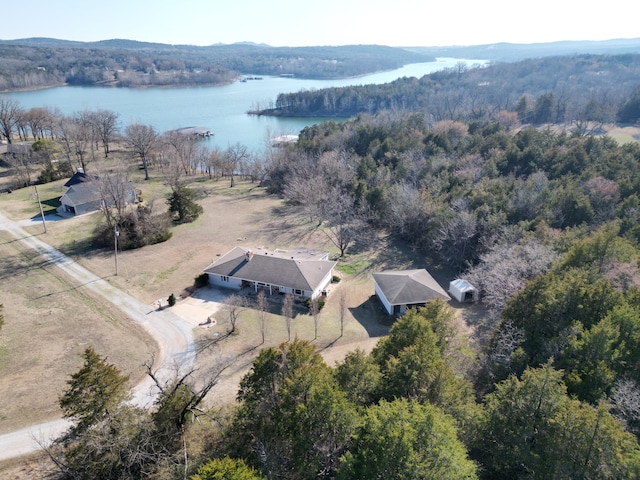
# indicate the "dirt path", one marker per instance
pixel 173 335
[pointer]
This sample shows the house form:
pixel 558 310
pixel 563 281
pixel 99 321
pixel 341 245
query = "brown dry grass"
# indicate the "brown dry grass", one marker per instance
pixel 49 321
pixel 244 215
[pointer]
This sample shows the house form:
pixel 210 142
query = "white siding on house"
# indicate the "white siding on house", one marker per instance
pixel 384 300
pixel 227 282
pixel 323 285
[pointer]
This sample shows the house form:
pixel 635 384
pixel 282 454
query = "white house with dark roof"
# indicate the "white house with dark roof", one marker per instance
pixel 398 290
pixel 303 273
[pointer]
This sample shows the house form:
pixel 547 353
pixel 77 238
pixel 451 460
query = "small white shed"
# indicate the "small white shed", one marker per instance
pixel 463 291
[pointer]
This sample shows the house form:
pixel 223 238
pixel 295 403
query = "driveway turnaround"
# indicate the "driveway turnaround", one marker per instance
pixel 173 335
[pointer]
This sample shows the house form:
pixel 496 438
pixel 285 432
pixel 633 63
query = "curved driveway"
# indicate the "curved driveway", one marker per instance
pixel 173 334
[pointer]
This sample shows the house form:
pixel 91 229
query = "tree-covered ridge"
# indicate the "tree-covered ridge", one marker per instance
pixel 460 191
pixel 578 89
pixel 34 63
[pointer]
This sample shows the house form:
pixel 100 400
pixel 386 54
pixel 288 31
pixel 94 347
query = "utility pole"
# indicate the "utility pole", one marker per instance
pixel 116 234
pixel 44 224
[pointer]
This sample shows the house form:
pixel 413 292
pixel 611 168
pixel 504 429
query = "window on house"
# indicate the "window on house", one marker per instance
pixel 224 278
pixel 298 292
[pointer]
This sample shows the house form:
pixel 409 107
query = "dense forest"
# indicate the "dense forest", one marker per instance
pixel 37 63
pixel 509 191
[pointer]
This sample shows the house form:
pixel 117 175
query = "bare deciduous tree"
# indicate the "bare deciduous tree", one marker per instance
pixel 233 158
pixel 23 164
pixel 115 193
pixel 345 221
pixel 342 305
pixel 185 152
pixel 234 306
pixel 287 312
pixel 39 121
pixel 314 309
pixel 625 400
pixel 212 164
pixel 106 125
pixel 10 114
pixel 503 271
pixel 141 139
pixel 454 239
pixel 262 305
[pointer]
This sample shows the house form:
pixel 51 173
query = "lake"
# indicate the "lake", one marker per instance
pixel 221 108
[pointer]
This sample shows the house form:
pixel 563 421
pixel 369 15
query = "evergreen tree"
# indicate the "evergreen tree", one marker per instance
pixel 406 440
pixel 181 202
pixel 226 469
pixel 533 429
pixel 293 421
pixel 94 392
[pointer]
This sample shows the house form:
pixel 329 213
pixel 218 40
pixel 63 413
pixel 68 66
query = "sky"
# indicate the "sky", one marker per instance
pixel 324 22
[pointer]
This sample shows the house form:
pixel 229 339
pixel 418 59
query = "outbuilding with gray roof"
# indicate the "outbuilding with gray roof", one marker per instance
pixel 398 290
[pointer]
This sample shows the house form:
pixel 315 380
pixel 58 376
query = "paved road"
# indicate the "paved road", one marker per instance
pixel 173 334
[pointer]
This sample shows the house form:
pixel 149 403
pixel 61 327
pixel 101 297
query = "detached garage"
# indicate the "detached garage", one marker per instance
pixel 399 290
pixel 463 291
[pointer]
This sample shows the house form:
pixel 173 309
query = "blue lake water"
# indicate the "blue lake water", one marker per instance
pixel 221 109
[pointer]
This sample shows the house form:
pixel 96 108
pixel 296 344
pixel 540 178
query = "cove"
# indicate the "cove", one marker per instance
pixel 220 108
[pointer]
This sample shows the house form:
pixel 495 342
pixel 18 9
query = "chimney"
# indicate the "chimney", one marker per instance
pixel 249 256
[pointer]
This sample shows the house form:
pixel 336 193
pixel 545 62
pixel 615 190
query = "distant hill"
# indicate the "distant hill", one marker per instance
pixel 510 52
pixel 43 62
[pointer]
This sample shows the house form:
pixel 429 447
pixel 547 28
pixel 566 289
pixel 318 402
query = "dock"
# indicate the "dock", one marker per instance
pixel 195 131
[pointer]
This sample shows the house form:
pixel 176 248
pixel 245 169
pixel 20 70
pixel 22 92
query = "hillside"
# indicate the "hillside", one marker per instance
pixel 43 62
pixel 511 52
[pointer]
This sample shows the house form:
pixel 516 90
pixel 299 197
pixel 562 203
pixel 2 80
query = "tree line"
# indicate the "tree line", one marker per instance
pixel 584 90
pixel 37 63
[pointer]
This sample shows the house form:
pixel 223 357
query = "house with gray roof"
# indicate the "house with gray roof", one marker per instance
pixel 303 273
pixel 83 195
pixel 401 289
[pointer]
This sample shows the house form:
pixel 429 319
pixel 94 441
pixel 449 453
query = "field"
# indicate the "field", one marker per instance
pixel 50 320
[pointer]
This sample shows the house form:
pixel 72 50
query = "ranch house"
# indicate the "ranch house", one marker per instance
pixel 302 273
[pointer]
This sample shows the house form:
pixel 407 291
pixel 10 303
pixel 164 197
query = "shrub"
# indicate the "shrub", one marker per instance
pixel 137 228
pixel 171 300
pixel 201 280
pixel 321 302
pixel 335 279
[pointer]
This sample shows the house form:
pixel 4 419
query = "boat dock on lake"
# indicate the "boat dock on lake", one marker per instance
pixel 195 131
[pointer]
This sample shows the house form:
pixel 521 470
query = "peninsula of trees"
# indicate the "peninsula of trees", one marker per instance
pixel 584 89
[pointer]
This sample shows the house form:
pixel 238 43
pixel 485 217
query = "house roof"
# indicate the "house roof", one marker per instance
pixel 81 194
pixel 302 272
pixel 79 177
pixel 407 287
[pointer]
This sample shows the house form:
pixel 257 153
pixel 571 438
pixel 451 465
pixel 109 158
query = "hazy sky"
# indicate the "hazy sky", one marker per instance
pixel 324 22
